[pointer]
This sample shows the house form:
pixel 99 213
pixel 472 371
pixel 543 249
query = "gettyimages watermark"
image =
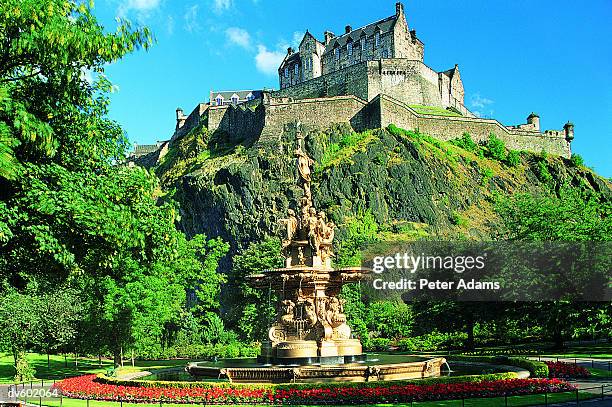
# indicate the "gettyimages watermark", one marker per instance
pixel 492 271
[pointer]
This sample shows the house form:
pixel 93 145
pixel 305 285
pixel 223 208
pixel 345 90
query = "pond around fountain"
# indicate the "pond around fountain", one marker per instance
pixel 388 361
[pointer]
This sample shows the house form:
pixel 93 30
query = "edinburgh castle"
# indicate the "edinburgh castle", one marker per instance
pixel 368 77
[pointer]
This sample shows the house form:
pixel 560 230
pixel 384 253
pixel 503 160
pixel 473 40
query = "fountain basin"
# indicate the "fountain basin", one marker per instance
pixel 351 372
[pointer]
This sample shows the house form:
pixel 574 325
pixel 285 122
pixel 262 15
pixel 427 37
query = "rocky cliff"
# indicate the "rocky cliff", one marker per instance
pixel 407 180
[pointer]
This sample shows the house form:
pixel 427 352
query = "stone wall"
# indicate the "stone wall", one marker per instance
pixel 447 128
pixel 240 123
pixel 318 113
pixel 265 122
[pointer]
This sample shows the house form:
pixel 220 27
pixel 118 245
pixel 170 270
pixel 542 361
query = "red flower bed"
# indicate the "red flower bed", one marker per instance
pixel 566 370
pixel 88 387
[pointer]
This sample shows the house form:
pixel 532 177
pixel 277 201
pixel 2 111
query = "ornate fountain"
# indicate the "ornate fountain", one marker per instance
pixel 310 340
pixel 310 326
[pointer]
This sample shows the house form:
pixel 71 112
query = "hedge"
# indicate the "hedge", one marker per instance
pixel 536 369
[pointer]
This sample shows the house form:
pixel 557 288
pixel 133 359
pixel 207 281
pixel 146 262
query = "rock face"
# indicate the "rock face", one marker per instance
pixel 240 192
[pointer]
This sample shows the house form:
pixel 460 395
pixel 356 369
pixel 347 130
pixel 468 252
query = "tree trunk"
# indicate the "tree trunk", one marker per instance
pixel 470 335
pixel 132 357
pixel 117 357
pixel 558 338
pixel 48 360
pixel 122 356
pixel 65 360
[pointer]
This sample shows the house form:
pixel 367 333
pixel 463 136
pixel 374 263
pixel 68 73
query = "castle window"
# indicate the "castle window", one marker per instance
pixel 385 54
pixel 286 72
pixel 349 48
pixel 219 101
pixel 337 53
pixel 235 99
pixel 296 69
pixel 363 44
pixel 250 96
pixel 377 39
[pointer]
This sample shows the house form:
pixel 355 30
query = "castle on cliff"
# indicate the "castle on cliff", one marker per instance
pixel 367 77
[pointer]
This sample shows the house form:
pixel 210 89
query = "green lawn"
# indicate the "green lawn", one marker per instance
pixel 600 373
pixel 515 401
pixel 58 370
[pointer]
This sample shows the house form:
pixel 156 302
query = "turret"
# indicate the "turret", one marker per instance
pixel 569 131
pixel 328 35
pixel 180 118
pixel 534 120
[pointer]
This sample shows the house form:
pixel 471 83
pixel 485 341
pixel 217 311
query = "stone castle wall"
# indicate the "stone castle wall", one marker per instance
pixel 265 122
pixel 395 112
pixel 410 81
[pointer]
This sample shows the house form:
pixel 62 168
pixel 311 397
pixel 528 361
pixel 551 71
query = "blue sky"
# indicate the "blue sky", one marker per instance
pixel 515 57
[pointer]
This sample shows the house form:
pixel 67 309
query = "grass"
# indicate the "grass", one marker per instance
pixel 336 153
pixel 434 110
pixel 599 373
pixel 58 370
pixel 514 401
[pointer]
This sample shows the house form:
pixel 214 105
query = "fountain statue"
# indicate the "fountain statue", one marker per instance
pixel 310 340
pixel 310 325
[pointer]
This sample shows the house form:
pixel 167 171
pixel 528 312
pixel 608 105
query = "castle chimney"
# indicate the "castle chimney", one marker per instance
pixel 399 9
pixel 348 29
pixel 328 36
pixel 534 120
pixel 569 131
pixel 289 51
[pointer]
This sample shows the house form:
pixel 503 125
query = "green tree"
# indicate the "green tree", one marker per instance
pixel 571 215
pixel 70 217
pixel 253 309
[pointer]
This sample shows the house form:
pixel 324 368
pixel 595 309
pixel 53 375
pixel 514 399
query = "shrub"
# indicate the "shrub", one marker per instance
pixel 542 171
pixel 566 370
pixel 496 149
pixel 577 160
pixel 23 371
pixel 458 220
pixel 465 142
pixel 432 341
pixel 379 344
pixel 514 158
pixel 535 368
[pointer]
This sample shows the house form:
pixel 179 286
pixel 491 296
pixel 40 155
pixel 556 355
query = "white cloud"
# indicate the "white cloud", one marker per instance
pixel 142 7
pixel 297 38
pixel 481 106
pixel 170 25
pixel 191 18
pixel 221 5
pixel 239 37
pixel 268 61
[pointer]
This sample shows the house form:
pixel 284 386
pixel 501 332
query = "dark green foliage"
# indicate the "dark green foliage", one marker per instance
pixel 466 143
pixel 536 369
pixel 253 310
pixel 495 148
pixel 514 158
pixel 577 160
pixel 433 341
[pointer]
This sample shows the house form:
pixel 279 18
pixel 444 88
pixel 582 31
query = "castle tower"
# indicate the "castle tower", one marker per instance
pixel 534 120
pixel 569 131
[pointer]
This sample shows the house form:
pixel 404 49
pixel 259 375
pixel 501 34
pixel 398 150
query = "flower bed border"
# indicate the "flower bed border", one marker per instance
pixel 88 387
